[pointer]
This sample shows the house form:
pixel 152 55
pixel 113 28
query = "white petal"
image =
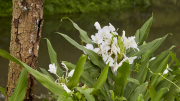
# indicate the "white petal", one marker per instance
pixel 111 27
pixel 131 59
pixel 65 88
pixel 97 25
pixel 89 46
pixel 96 50
pixel 52 68
pixel 71 73
pixel 152 58
pixel 64 66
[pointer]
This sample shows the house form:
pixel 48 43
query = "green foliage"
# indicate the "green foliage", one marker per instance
pixel 3 91
pixel 77 73
pixel 53 58
pixel 20 90
pixel 143 80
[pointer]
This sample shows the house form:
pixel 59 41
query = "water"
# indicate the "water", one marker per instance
pixel 165 21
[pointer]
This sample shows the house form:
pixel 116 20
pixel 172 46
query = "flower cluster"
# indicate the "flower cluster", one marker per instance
pixel 111 47
pixel 61 80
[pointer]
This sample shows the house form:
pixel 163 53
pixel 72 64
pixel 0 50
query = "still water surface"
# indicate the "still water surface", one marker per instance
pixel 165 21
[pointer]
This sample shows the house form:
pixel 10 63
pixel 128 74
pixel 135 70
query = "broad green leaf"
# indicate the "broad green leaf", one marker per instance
pixel 43 79
pixel 121 79
pixel 157 45
pixel 140 76
pixel 46 73
pixel 72 66
pixel 20 90
pixel 173 56
pixel 152 46
pixel 156 78
pixel 85 77
pixel 77 72
pixel 88 96
pixel 102 78
pixel 143 48
pixel 63 97
pixel 140 98
pixel 173 92
pixel 95 58
pixel 160 94
pixel 53 58
pixel 139 90
pixel 142 34
pixel 69 65
pixel 3 91
pixel 157 61
pixel 133 80
pixel 164 83
pixel 83 35
pixel 152 92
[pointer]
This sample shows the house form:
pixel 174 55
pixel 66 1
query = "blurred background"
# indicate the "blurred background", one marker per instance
pixel 128 15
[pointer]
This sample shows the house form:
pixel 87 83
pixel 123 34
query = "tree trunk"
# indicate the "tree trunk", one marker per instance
pixel 26 30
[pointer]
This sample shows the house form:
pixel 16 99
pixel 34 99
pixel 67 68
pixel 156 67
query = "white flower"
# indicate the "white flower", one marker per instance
pixel 131 59
pixel 52 68
pixel 65 87
pixel 97 25
pixel 64 65
pixel 97 38
pixel 152 58
pixel 130 42
pixel 89 46
pixel 110 61
pixel 71 73
pixel 111 27
pixel 166 71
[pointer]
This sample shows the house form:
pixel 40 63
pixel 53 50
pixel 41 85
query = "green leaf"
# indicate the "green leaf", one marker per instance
pixel 164 83
pixel 121 79
pixel 53 58
pixel 140 76
pixel 83 35
pixel 140 98
pixel 173 92
pixel 152 92
pixel 102 78
pixel 46 73
pixel 153 65
pixel 152 46
pixel 85 77
pixel 69 65
pixel 139 90
pixel 3 91
pixel 77 72
pixel 160 94
pixel 142 34
pixel 133 80
pixel 44 99
pixel 95 58
pixel 156 78
pixel 20 90
pixel 173 56
pixel 63 97
pixel 88 96
pixel 43 79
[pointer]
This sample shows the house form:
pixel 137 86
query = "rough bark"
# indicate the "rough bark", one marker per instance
pixel 26 30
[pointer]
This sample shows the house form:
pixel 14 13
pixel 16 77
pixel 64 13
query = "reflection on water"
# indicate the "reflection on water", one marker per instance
pixel 165 21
